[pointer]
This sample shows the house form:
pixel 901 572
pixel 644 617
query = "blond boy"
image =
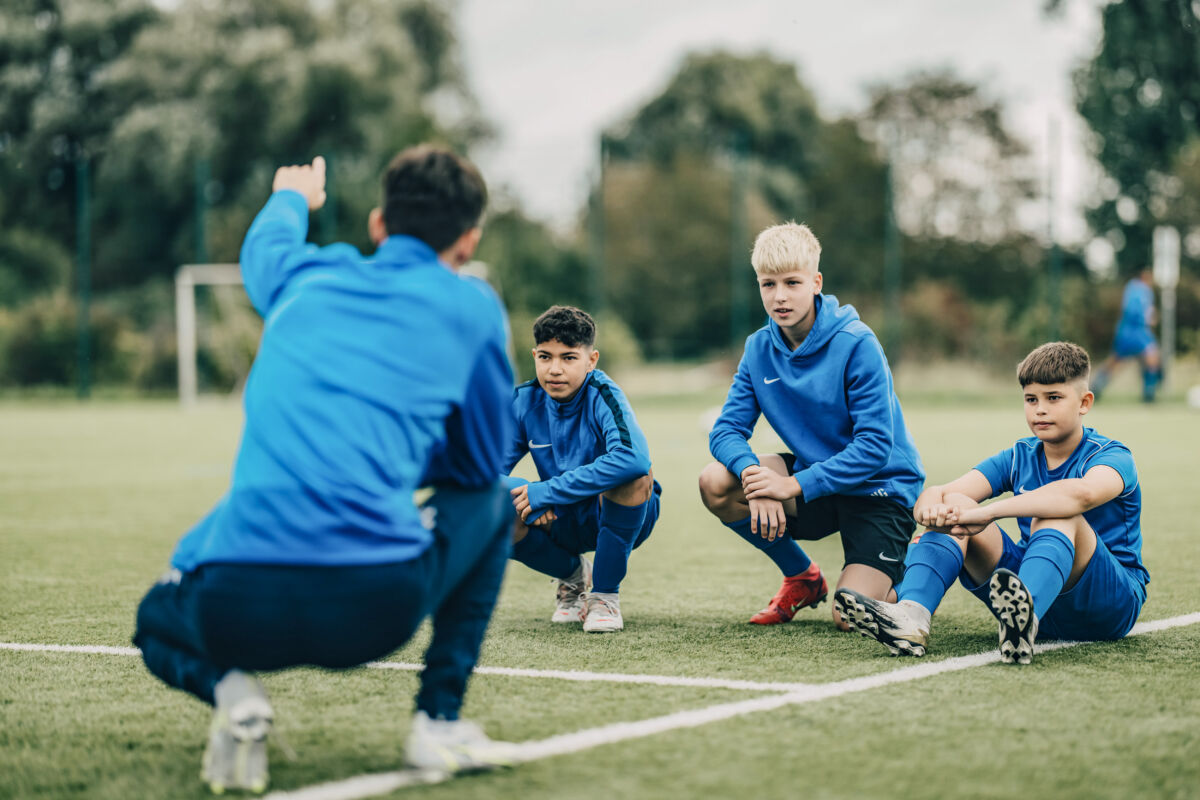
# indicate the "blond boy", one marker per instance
pixel 819 376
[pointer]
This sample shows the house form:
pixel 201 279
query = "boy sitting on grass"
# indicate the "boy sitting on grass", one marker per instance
pixel 596 490
pixel 819 376
pixel 1077 572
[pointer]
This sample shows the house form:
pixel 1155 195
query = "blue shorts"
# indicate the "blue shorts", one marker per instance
pixel 578 524
pixel 1130 342
pixel 1104 604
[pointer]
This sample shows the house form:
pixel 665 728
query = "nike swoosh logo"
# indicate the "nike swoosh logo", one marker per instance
pixel 882 557
pixel 532 445
pixel 770 380
pixel 1020 490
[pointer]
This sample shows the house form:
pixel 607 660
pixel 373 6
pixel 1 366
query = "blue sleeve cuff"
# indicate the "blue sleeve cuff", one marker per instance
pixel 536 496
pixel 741 462
pixel 293 199
pixel 810 485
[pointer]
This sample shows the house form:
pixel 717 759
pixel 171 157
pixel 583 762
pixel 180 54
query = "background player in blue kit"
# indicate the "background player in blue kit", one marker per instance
pixel 1134 337
pixel 596 490
pixel 819 376
pixel 1076 573
pixel 374 376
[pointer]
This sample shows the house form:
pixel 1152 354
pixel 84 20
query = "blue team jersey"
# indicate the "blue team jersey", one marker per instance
pixel 581 447
pixel 374 376
pixel 832 402
pixel 1022 468
pixel 1134 335
pixel 1137 301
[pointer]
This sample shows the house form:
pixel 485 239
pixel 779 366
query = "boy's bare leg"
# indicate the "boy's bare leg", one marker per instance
pixel 903 626
pixel 633 493
pixel 721 490
pixel 867 581
pixel 763 523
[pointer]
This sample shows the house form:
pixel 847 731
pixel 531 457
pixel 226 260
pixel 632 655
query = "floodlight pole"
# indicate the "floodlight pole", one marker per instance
pixel 1055 253
pixel 83 273
pixel 327 217
pixel 891 264
pixel 596 231
pixel 738 274
pixel 203 172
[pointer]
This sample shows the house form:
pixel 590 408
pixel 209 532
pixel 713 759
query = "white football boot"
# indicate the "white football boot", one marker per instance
pixel 236 756
pixel 453 745
pixel 569 594
pixel 603 613
pixel 1013 606
pixel 903 628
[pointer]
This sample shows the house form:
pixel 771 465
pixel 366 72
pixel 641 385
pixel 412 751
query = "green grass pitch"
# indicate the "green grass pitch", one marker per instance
pixel 92 499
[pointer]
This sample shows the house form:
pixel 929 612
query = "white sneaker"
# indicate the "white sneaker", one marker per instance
pixel 236 756
pixel 569 602
pixel 603 613
pixel 453 745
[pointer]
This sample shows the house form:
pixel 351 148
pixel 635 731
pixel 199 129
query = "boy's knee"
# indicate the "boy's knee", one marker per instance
pixel 961 500
pixel 633 493
pixel 1067 526
pixel 716 485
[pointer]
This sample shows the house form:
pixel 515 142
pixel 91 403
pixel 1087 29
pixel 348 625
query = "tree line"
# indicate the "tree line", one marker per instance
pixel 176 117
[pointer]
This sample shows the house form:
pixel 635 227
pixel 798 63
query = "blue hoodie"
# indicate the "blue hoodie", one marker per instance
pixel 831 401
pixel 374 376
pixel 581 447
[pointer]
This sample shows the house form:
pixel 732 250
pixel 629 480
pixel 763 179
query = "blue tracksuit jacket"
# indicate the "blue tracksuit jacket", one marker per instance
pixel 831 401
pixel 583 447
pixel 374 376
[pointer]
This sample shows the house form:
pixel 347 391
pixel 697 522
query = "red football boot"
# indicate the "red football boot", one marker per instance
pixel 799 591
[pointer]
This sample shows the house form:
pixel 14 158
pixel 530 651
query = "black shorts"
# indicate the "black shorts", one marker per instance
pixel 875 530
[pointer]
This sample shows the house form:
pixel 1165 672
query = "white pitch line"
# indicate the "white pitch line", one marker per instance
pixel 376 784
pixel 98 649
pixel 513 672
pixel 617 677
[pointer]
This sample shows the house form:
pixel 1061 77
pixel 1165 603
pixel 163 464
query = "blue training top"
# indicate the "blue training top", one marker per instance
pixel 374 376
pixel 831 401
pixel 1136 303
pixel 1134 334
pixel 581 447
pixel 1022 468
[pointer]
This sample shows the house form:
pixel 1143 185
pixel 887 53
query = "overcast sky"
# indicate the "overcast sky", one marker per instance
pixel 551 73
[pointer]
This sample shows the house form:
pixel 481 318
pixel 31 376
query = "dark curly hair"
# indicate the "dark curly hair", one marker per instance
pixel 432 194
pixel 567 324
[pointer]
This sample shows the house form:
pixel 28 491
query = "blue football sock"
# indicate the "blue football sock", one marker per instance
pixel 619 529
pixel 1046 567
pixel 1150 380
pixel 538 551
pixel 784 551
pixel 931 566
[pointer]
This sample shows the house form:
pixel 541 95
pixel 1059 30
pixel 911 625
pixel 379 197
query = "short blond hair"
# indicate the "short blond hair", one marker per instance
pixel 786 248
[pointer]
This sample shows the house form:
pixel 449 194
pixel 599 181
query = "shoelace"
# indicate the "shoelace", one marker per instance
pixel 606 607
pixel 568 591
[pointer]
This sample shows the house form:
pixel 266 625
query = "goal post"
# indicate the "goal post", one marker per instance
pixel 187 278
